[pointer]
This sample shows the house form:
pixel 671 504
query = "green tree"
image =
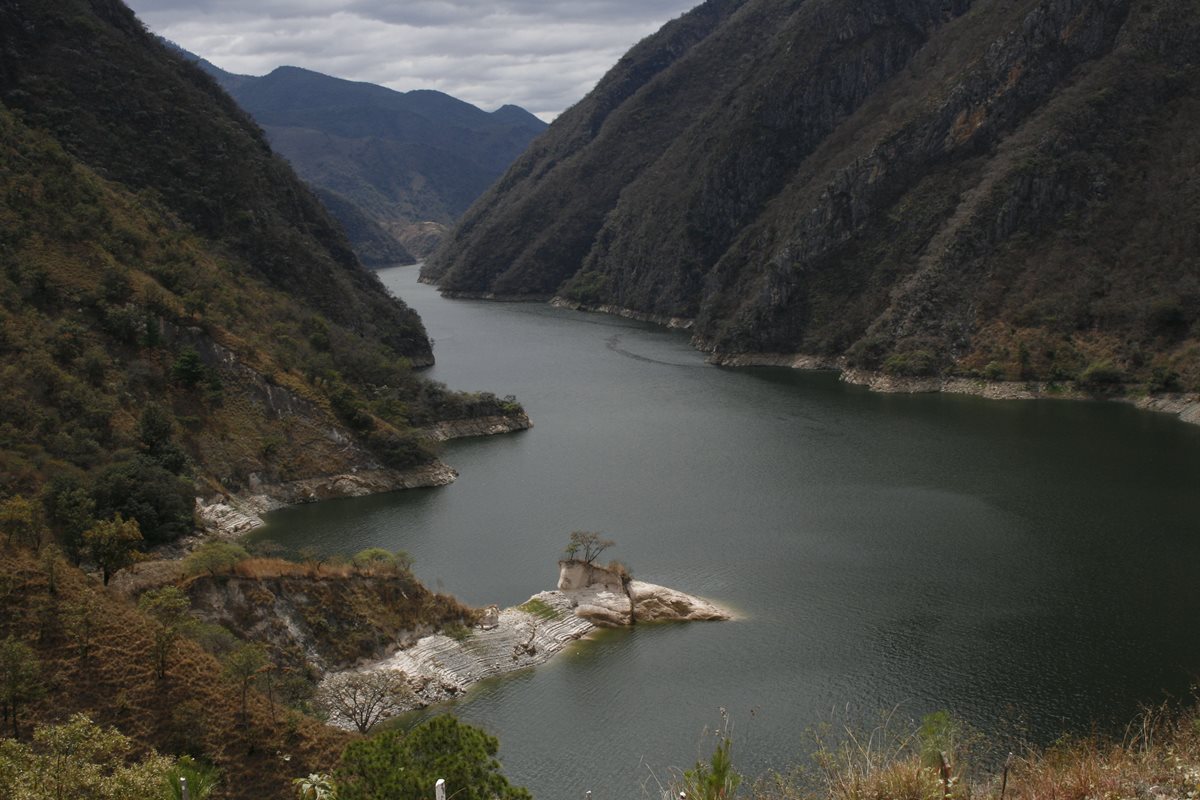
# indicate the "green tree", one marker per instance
pixel 214 557
pixel 19 522
pixel 69 510
pixel 80 759
pixel 373 557
pixel 111 544
pixel 51 562
pixel 244 665
pixel 169 607
pixel 394 764
pixel 79 623
pixel 20 679
pixel 188 369
pixel 139 488
pixel 156 428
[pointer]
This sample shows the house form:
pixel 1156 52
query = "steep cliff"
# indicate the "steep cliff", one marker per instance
pixel 314 620
pixel 994 189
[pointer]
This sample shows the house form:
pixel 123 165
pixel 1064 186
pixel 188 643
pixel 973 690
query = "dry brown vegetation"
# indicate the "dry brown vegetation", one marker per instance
pixel 95 653
pixel 1159 757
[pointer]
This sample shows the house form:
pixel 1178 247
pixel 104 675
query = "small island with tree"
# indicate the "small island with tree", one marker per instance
pixel 442 665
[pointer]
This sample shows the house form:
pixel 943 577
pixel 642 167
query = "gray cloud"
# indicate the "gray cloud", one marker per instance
pixel 540 54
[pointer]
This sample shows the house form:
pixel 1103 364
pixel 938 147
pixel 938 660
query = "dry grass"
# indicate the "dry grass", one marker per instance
pixel 195 709
pixel 1158 759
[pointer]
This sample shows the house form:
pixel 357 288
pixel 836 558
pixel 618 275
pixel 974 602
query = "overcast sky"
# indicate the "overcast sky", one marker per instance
pixel 542 55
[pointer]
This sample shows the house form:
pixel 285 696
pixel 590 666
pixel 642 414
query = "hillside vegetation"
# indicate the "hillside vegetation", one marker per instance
pixel 96 654
pixel 173 301
pixel 1005 190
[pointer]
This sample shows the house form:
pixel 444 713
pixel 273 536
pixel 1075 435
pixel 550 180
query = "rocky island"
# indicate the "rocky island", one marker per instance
pixel 587 597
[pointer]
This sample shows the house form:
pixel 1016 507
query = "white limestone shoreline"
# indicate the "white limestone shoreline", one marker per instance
pixel 228 516
pixel 440 667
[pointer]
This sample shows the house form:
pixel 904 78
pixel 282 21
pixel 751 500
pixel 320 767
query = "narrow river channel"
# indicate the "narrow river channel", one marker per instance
pixel 1030 567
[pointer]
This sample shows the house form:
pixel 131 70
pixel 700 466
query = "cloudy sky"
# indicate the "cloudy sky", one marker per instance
pixel 542 55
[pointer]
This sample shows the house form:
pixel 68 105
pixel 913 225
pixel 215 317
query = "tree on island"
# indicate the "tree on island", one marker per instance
pixel 589 544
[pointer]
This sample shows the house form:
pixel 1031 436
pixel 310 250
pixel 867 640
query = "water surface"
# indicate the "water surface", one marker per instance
pixel 1024 565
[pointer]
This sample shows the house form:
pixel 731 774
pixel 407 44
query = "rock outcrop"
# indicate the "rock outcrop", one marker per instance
pixel 233 515
pixel 440 667
pixel 610 598
pixel 479 426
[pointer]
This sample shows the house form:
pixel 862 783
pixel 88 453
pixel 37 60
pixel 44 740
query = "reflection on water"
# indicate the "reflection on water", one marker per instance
pixel 1012 562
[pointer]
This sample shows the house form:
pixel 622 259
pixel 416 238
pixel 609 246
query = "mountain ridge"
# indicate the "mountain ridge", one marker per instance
pixel 900 185
pixel 179 316
pixel 400 159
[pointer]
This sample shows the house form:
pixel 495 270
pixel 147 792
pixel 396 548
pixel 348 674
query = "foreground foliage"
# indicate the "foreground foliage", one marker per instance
pixel 79 758
pixel 940 759
pixel 395 764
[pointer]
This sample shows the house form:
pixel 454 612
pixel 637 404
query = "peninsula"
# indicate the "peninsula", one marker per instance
pixel 440 667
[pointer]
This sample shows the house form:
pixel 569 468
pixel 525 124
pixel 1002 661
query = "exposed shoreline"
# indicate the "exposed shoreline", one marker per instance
pixel 238 514
pixel 440 667
pixel 665 320
pixel 1184 405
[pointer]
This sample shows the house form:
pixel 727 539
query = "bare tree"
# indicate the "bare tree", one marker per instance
pixel 589 544
pixel 364 698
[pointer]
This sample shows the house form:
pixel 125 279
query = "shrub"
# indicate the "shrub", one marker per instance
pixel 188 369
pixel 994 371
pixel 394 764
pixel 1100 376
pixel 373 557
pixel 914 363
pixel 214 557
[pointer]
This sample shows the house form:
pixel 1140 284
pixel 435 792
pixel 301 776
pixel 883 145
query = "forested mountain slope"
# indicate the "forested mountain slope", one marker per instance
pixel 1003 189
pixel 177 312
pixel 399 159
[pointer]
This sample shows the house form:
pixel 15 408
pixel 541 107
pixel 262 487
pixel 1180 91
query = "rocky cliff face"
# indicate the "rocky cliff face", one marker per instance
pixel 321 622
pixel 992 189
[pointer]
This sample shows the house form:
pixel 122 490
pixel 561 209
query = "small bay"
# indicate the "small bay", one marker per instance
pixel 1027 566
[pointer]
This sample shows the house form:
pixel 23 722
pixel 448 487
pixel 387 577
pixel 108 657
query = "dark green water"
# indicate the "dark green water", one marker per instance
pixel 1021 564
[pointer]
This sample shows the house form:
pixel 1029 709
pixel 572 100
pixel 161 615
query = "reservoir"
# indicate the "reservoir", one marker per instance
pixel 1030 567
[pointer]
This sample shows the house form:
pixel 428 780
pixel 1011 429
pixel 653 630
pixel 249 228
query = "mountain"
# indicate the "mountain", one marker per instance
pixel 178 313
pixel 993 189
pixel 399 158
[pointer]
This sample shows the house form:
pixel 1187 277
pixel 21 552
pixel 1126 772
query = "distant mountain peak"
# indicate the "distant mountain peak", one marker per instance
pixel 384 162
